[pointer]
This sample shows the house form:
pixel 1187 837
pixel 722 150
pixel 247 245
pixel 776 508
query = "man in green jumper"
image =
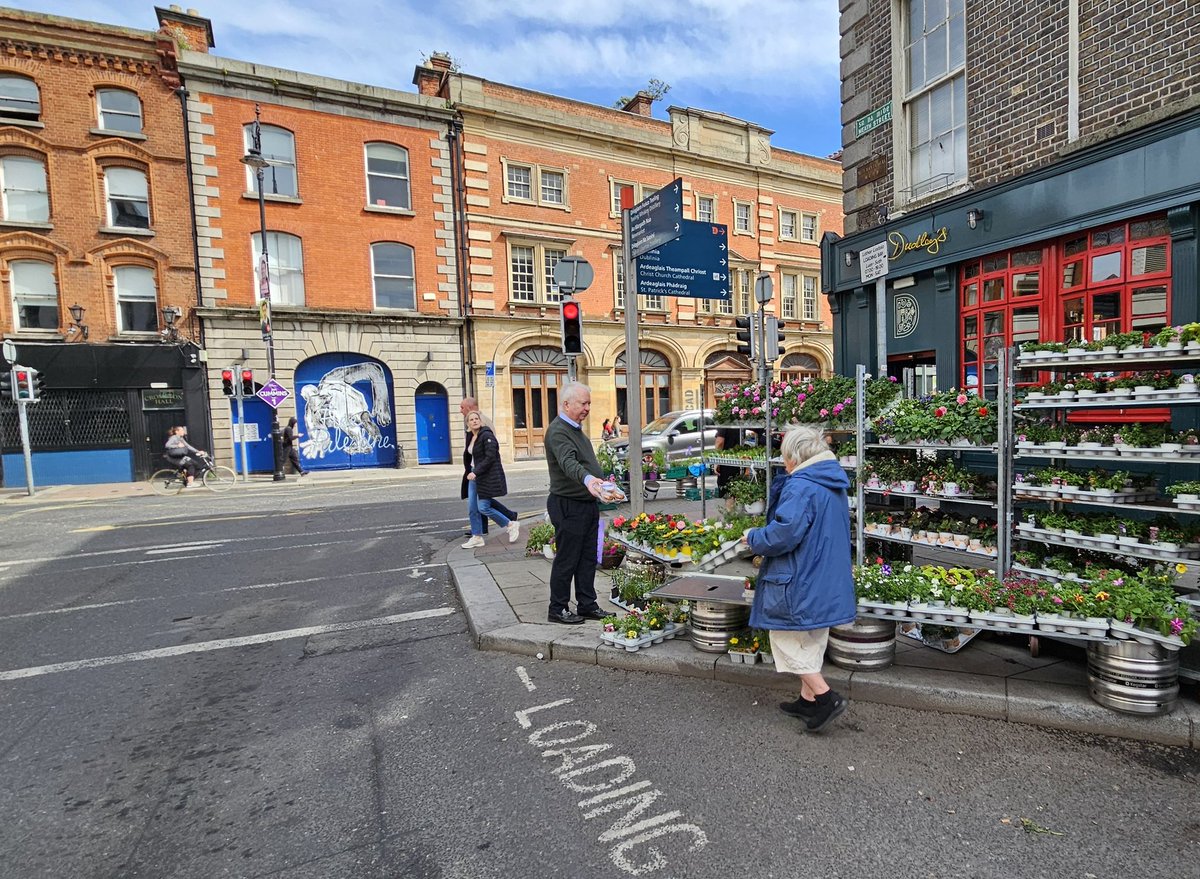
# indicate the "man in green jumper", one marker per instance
pixel 575 485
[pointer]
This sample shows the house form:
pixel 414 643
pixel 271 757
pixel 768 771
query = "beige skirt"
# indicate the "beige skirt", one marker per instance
pixel 799 653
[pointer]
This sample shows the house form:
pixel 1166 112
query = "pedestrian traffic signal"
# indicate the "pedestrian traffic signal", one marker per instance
pixel 227 382
pixel 247 382
pixel 572 327
pixel 775 337
pixel 37 385
pixel 747 335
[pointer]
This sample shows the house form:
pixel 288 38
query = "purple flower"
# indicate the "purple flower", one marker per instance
pixel 887 571
pixel 1176 626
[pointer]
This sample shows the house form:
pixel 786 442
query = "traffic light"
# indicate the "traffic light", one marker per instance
pixel 227 382
pixel 6 384
pixel 747 334
pixel 775 337
pixel 247 382
pixel 572 327
pixel 37 385
pixel 21 386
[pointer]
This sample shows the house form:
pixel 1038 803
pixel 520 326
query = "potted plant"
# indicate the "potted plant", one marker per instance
pixel 1189 334
pixel 1185 492
pixel 743 647
pixel 611 554
pixel 540 540
pixel 1121 341
pixel 750 493
pixel 1088 385
pixel 1168 338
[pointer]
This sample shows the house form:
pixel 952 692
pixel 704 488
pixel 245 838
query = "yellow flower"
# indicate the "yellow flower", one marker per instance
pixel 632 633
pixel 733 641
pixel 1102 596
pixel 1181 568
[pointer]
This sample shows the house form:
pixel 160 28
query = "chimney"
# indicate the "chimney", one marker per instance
pixel 431 78
pixel 190 29
pixel 639 104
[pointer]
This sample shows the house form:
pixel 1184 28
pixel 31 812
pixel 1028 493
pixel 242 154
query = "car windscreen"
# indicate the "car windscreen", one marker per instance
pixel 657 426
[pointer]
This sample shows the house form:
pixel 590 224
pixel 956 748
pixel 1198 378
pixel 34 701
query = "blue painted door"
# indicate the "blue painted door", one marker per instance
pixel 345 407
pixel 433 428
pixel 259 454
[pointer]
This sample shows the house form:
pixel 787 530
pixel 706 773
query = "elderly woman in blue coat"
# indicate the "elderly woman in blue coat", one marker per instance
pixel 805 583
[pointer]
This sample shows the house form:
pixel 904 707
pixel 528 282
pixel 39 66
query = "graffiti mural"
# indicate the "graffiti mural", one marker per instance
pixel 345 406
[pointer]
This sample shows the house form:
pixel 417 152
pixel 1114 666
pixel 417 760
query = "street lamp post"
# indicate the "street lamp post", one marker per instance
pixel 254 158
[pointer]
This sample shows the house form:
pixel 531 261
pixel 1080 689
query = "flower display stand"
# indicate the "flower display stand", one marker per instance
pixel 745 657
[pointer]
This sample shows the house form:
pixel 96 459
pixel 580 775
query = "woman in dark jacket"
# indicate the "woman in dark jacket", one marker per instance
pixel 483 481
pixel 805 584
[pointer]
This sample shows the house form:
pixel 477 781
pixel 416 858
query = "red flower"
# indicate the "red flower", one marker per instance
pixel 939 411
pixel 983 410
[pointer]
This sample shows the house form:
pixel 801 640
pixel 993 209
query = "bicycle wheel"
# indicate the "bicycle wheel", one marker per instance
pixel 219 478
pixel 167 482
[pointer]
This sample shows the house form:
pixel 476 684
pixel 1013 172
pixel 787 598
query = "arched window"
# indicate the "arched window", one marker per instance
pixel 286 258
pixel 24 189
pixel 128 197
pixel 119 110
pixel 279 149
pixel 387 176
pixel 393 274
pixel 35 294
pixel 799 367
pixel 655 373
pixel 19 98
pixel 137 299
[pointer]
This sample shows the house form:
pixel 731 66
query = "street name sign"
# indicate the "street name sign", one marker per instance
pixel 873 262
pixel 695 265
pixel 656 219
pixel 272 393
pixel 873 120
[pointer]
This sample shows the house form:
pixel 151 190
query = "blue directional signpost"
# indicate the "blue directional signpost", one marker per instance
pixel 656 219
pixel 695 265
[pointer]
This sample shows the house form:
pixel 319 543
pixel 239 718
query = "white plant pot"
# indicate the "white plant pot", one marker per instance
pixel 548 551
pixel 1187 498
pixel 756 508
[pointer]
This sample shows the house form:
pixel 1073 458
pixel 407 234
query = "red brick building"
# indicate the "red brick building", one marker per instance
pixel 96 259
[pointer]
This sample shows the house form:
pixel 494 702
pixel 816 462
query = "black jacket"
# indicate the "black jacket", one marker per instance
pixel 484 460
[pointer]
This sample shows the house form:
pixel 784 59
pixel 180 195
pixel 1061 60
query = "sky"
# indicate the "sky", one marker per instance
pixel 771 62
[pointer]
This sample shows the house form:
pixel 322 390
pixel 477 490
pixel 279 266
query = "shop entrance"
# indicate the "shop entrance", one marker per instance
pixel 917 372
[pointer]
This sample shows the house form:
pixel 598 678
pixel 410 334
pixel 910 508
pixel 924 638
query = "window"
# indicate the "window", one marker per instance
pixel 725 306
pixel 619 279
pixel 19 98
pixel 787 224
pixel 652 303
pixel 279 149
pixel 936 102
pixel 395 281
pixel 128 198
pixel 119 110
pixel 791 285
pixel 35 295
pixel 706 211
pixel 24 189
pixel 387 176
pixel 137 299
pixel 285 257
pixel 534 184
pixel 809 311
pixel 531 269
pixel 741 217
pixel 637 192
pixel 745 285
pixel 808 227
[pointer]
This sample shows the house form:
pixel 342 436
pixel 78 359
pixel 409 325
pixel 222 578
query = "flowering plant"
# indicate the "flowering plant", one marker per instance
pixel 744 643
pixel 828 400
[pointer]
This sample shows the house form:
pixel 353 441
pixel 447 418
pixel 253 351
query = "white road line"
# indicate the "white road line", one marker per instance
pixel 525 679
pixel 193 595
pixel 222 644
pixel 194 548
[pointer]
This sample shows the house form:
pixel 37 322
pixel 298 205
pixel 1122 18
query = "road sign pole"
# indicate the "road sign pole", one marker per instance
pixel 571 374
pixel 23 419
pixel 633 375
pixel 881 326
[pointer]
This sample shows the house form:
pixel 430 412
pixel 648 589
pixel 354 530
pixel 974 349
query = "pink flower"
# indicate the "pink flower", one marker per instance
pixel 939 411
pixel 960 399
pixel 824 412
pixel 837 410
pixel 802 397
pixel 757 410
pixel 1176 626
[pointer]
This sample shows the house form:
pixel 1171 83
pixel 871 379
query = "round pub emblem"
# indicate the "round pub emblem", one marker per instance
pixel 907 314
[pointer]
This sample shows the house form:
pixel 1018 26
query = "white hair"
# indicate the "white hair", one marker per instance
pixel 572 391
pixel 801 443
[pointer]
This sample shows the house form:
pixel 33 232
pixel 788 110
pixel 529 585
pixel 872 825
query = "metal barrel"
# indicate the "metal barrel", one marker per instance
pixel 866 644
pixel 682 485
pixel 715 622
pixel 1133 678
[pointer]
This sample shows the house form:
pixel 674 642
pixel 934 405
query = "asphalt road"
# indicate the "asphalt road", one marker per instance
pixel 263 684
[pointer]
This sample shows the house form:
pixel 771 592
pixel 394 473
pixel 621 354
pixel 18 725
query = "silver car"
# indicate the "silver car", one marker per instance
pixel 676 433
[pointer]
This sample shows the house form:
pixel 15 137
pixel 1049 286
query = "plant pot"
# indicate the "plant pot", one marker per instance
pixel 756 508
pixel 1187 498
pixel 1121 393
pixel 548 551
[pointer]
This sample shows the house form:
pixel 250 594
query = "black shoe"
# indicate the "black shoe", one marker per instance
pixel 829 706
pixel 594 614
pixel 565 617
pixel 801 707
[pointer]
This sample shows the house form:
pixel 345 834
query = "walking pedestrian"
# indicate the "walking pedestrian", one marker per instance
pixel 484 481
pixel 291 438
pixel 466 407
pixel 576 482
pixel 805 584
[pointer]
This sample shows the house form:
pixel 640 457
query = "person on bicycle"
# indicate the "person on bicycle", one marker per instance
pixel 182 454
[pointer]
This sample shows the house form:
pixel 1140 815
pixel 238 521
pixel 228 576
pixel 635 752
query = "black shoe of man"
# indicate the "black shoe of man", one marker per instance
pixel 594 614
pixel 565 617
pixel 801 707
pixel 829 706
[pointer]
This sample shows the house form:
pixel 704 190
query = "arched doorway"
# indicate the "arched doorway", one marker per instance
pixel 344 401
pixel 536 374
pixel 724 371
pixel 656 385
pixel 431 405
pixel 799 367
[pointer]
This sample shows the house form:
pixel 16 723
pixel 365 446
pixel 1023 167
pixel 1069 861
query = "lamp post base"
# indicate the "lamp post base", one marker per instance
pixel 277 446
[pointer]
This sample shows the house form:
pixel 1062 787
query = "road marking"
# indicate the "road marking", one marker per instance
pixel 222 644
pixel 197 521
pixel 525 679
pixel 189 547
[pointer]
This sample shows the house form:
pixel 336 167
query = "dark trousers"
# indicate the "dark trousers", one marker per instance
pixel 294 458
pixel 509 514
pixel 575 523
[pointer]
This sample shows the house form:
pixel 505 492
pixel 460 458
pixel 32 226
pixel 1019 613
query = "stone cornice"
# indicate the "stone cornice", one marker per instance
pixel 53 38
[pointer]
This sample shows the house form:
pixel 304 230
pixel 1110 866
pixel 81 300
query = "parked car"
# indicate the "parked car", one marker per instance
pixel 676 433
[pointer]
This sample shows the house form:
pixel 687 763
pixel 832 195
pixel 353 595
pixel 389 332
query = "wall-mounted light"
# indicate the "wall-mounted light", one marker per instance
pixel 974 217
pixel 77 312
pixel 851 256
pixel 170 314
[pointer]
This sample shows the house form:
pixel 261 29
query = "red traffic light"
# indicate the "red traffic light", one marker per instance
pixel 226 375
pixel 22 377
pixel 570 310
pixel 247 375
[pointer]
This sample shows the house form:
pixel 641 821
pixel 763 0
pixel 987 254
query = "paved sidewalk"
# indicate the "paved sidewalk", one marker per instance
pixel 505 596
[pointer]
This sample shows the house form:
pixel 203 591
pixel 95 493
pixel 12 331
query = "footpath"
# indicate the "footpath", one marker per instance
pixel 505 595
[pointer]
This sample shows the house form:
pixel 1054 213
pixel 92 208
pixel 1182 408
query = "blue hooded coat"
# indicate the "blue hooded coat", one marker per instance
pixel 806 580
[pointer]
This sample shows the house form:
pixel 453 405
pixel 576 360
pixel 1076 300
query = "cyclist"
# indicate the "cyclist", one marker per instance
pixel 179 452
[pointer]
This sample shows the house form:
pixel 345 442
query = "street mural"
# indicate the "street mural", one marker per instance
pixel 345 404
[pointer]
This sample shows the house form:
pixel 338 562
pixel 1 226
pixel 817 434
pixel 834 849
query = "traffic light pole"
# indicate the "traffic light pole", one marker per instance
pixel 241 409
pixel 633 372
pixel 23 420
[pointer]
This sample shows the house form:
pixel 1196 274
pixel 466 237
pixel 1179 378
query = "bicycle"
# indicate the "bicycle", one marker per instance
pixel 173 480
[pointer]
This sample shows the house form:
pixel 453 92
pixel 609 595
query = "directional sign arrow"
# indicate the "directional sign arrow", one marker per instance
pixel 652 221
pixel 688 266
